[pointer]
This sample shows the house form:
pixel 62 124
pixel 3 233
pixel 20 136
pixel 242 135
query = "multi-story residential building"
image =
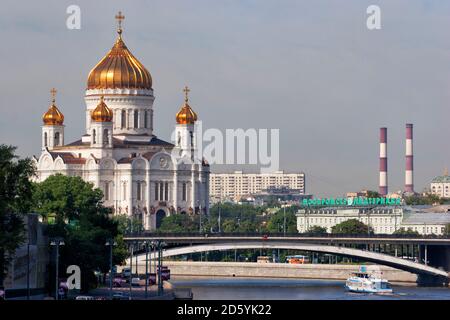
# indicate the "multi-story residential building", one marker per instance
pixel 233 186
pixel 440 186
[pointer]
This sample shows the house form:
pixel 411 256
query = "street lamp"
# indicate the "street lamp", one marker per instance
pixel 200 212
pixel 160 245
pixel 111 243
pixel 284 220
pixel 219 218
pixel 146 243
pixel 57 242
pixel 28 250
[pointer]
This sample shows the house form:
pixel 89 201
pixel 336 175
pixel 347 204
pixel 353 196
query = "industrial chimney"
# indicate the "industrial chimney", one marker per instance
pixel 383 187
pixel 409 179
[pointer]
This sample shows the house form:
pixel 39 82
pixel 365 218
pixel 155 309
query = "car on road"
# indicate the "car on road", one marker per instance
pixel 126 272
pixel 119 282
pixel 135 282
pixel 84 298
pixel 120 296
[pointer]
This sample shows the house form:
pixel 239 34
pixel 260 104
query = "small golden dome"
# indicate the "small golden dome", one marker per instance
pixel 186 115
pixel 119 68
pixel 53 117
pixel 102 113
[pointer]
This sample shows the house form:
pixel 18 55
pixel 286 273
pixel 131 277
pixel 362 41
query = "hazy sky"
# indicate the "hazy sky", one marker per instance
pixel 310 68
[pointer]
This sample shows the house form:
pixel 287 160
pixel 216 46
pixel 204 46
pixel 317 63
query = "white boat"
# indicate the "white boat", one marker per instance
pixel 365 282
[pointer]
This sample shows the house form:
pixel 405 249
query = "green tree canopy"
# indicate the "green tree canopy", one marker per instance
pixel 421 200
pixel 372 194
pixel 276 221
pixel 317 230
pixel 15 201
pixel 352 226
pixel 180 223
pixel 408 231
pixel 82 221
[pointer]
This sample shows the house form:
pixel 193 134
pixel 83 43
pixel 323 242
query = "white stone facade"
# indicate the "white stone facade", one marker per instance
pixel 383 220
pixel 440 186
pixel 136 171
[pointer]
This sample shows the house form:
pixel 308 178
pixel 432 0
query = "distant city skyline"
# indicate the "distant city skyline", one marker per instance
pixel 309 68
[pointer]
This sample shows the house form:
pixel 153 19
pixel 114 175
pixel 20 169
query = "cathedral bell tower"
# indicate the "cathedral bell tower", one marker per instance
pixel 53 128
pixel 185 128
pixel 101 126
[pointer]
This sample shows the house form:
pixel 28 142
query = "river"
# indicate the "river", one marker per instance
pixel 289 289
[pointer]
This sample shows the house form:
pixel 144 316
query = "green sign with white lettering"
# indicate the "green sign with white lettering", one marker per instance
pixel 352 202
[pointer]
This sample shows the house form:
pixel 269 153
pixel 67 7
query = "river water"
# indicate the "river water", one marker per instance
pixel 293 289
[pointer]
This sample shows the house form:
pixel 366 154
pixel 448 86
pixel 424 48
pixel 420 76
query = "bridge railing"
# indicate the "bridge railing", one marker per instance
pixel 271 235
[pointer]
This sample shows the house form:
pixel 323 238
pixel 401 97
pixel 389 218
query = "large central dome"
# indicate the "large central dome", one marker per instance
pixel 119 69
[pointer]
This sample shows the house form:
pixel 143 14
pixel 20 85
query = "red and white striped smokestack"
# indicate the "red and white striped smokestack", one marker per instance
pixel 409 178
pixel 383 187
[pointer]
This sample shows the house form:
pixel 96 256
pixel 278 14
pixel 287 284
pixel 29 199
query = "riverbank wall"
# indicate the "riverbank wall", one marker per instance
pixel 278 270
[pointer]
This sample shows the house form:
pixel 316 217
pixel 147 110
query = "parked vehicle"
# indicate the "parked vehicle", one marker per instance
pixel 119 282
pixel 151 279
pixel 136 282
pixel 120 296
pixel 84 298
pixel 126 272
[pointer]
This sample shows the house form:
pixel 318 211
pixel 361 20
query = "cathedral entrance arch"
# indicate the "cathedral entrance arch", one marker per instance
pixel 160 214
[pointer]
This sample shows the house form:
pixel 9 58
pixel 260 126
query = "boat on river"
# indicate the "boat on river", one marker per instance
pixel 365 282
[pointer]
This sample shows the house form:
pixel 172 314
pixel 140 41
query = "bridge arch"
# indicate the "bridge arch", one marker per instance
pixel 368 256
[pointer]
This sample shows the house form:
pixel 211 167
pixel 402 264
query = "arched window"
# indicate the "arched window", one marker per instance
pixel 166 191
pixel 161 191
pixel 57 138
pixel 123 119
pixel 106 195
pixel 136 119
pixel 156 191
pixel 139 191
pixel 45 139
pixel 146 119
pixel 94 138
pixel 124 191
pixel 184 191
pixel 105 136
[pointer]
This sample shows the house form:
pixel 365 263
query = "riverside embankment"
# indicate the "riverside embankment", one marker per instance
pixel 277 270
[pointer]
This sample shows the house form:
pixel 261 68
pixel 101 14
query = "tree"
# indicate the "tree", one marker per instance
pixel 403 231
pixel 447 229
pixel 128 224
pixel 83 222
pixel 15 201
pixel 421 200
pixel 317 230
pixel 179 223
pixel 372 194
pixel 276 221
pixel 352 226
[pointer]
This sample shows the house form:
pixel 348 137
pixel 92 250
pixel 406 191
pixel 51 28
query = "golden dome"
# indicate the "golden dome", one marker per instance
pixel 186 115
pixel 53 117
pixel 102 113
pixel 119 68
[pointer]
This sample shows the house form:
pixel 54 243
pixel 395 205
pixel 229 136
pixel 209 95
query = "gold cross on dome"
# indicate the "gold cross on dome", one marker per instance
pixel 186 91
pixel 53 93
pixel 119 17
